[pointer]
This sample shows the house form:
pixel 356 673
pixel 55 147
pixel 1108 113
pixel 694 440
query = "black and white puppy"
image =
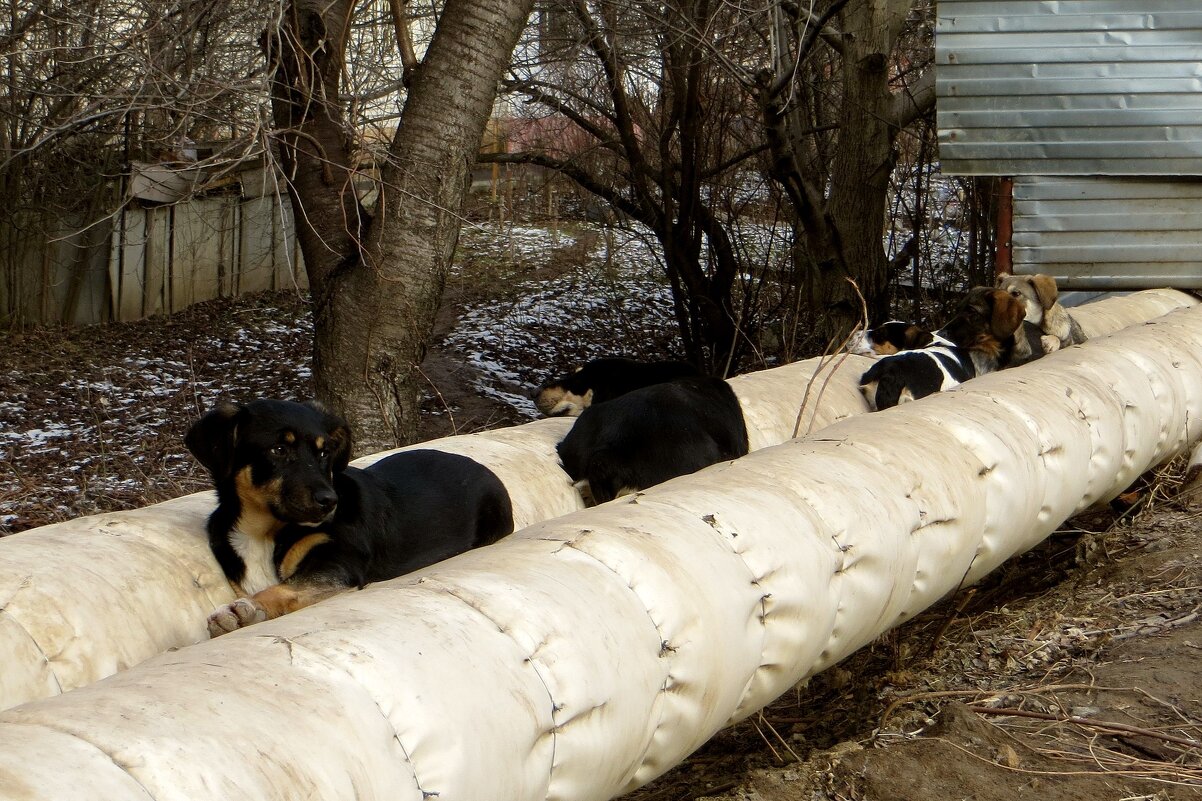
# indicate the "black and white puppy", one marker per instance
pixel 602 380
pixel 892 337
pixel 295 524
pixel 913 374
pixel 652 434
pixel 982 340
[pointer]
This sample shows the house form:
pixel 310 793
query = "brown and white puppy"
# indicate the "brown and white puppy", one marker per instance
pixel 891 337
pixel 1040 300
pixel 601 380
pixel 980 339
pixel 295 524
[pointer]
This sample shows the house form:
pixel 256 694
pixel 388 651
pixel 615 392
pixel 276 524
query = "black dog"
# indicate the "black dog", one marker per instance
pixel 294 524
pixel 602 380
pixel 652 434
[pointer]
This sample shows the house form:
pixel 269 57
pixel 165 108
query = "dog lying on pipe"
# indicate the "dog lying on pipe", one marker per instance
pixel 981 337
pixel 650 435
pixel 295 524
pixel 1040 298
pixel 601 380
pixel 891 337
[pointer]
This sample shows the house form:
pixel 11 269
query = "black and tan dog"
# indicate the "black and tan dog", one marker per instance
pixel 295 524
pixel 982 340
pixel 652 434
pixel 985 325
pixel 602 380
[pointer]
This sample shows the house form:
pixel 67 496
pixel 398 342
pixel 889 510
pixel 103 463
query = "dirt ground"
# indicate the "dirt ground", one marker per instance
pixel 1073 672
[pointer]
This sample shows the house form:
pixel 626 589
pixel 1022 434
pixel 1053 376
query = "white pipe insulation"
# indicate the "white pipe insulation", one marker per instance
pixel 586 655
pixel 87 598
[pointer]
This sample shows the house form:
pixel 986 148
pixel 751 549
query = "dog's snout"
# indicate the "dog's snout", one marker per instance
pixel 326 499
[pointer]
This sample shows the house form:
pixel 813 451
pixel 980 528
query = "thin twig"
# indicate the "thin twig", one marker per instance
pixel 1095 724
pixel 1150 775
pixel 827 359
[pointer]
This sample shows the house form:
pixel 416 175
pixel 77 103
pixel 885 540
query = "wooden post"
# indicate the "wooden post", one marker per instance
pixel 1003 250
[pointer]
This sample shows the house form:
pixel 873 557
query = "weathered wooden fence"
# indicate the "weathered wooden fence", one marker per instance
pixel 144 260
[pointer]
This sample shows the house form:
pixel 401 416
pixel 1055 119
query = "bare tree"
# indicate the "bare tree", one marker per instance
pixel 688 99
pixel 664 143
pixel 376 278
pixel 94 86
pixel 97 85
pixel 833 138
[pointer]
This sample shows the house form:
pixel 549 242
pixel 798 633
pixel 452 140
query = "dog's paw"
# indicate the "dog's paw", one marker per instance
pixel 1050 344
pixel 239 614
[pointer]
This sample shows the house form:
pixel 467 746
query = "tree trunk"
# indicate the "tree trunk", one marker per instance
pixel 377 286
pixel 842 232
pixel 862 165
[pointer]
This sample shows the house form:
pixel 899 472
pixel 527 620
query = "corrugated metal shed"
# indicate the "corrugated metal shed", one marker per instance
pixel 1070 87
pixel 1109 233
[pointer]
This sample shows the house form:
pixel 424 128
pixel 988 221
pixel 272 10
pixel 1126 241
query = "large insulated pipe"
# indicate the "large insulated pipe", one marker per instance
pixel 586 655
pixel 84 599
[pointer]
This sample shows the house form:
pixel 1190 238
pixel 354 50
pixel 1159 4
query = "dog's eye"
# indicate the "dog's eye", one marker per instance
pixel 278 450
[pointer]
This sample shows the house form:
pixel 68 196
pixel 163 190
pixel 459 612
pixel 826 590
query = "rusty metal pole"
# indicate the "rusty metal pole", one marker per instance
pixel 1003 255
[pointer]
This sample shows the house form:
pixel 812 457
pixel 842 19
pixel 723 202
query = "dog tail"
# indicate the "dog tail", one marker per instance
pixel 607 477
pixel 892 390
pixel 883 388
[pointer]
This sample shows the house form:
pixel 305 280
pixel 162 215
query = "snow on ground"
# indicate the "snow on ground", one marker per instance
pixel 93 418
pixel 602 302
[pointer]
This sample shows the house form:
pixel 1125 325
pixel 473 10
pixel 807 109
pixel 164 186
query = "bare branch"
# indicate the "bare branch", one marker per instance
pixel 914 101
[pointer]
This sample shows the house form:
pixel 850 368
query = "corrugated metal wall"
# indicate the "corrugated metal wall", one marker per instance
pixel 1070 87
pixel 1109 233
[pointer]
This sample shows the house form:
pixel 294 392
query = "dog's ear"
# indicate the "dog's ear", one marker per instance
pixel 1045 290
pixel 338 436
pixel 211 438
pixel 1000 278
pixel 1008 314
pixel 916 337
pixel 340 444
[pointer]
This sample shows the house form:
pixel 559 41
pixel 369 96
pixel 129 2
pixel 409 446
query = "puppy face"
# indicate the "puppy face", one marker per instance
pixel 604 379
pixel 986 317
pixel 889 338
pixel 567 396
pixel 278 457
pixel 1037 292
